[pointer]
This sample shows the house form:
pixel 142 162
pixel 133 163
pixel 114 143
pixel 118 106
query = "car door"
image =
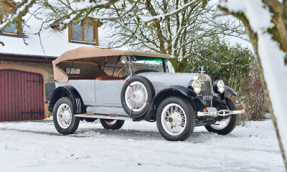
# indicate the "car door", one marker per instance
pixel 108 92
pixel 108 89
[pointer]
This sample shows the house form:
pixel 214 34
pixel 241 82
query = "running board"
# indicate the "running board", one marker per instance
pixel 103 116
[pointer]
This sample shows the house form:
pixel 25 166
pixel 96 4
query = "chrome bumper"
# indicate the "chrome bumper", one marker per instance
pixel 221 113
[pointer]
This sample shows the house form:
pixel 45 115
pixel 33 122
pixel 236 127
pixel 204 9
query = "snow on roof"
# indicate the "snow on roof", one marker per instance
pixel 54 42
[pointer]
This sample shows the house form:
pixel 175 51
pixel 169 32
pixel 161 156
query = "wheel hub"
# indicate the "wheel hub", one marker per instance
pixel 175 119
pixel 137 96
pixel 64 116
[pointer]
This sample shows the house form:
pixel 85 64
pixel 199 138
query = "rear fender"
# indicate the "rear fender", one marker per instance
pixel 72 93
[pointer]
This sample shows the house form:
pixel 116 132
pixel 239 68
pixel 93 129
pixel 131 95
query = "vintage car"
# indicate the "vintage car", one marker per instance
pixel 114 86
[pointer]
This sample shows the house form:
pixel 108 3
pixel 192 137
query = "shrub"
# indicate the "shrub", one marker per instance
pixel 221 60
pixel 236 66
pixel 251 96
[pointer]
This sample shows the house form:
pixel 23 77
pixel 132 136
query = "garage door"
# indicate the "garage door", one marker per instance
pixel 21 96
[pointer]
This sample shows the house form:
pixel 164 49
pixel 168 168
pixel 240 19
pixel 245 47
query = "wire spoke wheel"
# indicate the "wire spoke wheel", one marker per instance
pixel 136 96
pixel 173 118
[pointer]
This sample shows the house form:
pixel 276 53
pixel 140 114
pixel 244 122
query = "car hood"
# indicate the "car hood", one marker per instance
pixel 162 80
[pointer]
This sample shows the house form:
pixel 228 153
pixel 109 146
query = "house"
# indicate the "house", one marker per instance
pixel 25 63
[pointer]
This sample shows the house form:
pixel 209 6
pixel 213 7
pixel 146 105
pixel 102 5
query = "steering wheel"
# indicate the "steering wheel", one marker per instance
pixel 121 71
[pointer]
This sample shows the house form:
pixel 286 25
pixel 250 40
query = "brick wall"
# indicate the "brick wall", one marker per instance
pixel 45 66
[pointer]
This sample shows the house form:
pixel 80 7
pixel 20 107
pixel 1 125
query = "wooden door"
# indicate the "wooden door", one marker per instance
pixel 21 96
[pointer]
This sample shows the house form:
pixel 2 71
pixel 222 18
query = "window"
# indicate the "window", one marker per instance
pixel 12 28
pixel 87 33
pixel 9 10
pixel 112 70
pixel 76 71
pixel 77 32
pixel 113 66
pixel 149 64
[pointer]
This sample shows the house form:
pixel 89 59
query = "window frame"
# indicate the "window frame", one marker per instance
pixel 6 8
pixel 87 22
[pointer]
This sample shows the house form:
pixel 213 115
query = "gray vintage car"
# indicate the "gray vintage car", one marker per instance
pixel 114 86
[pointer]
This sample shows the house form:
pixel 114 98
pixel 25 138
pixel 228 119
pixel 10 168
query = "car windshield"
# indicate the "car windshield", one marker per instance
pixel 149 64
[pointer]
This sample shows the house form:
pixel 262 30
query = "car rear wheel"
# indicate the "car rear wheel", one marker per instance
pixel 225 126
pixel 175 119
pixel 63 117
pixel 112 124
pixel 91 119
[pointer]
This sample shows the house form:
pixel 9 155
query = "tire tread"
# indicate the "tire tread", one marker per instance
pixel 116 126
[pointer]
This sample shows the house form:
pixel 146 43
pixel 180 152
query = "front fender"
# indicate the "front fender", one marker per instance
pixel 174 90
pixel 230 91
pixel 72 93
pixel 178 89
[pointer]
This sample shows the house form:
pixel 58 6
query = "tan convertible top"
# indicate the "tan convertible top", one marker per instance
pixel 82 54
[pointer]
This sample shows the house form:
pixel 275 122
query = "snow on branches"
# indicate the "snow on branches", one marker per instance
pixel 266 24
pixel 67 12
pixel 172 27
pixel 21 8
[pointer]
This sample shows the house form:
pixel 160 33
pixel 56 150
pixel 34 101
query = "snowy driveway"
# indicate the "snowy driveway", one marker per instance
pixel 37 146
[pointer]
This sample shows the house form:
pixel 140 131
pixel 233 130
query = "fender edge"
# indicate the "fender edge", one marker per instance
pixel 67 91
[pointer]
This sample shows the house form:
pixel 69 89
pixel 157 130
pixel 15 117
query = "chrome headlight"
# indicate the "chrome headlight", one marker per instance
pixel 218 86
pixel 195 85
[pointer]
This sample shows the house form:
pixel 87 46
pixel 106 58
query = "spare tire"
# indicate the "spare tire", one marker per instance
pixel 136 95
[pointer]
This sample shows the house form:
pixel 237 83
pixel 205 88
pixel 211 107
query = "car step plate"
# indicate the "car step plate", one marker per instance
pixel 118 117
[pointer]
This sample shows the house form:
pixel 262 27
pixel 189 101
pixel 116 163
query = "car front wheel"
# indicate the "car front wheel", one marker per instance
pixel 63 116
pixel 175 119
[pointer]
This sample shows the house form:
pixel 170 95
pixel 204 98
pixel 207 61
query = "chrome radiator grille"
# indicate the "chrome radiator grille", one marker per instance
pixel 205 89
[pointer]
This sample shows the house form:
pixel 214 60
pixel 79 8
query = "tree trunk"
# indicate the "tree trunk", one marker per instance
pixel 276 32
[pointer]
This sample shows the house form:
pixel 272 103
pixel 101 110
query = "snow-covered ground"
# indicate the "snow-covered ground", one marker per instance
pixel 37 146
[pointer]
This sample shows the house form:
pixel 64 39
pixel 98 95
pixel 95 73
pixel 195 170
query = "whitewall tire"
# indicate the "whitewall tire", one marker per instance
pixel 175 119
pixel 63 117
